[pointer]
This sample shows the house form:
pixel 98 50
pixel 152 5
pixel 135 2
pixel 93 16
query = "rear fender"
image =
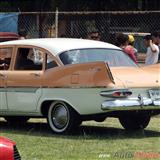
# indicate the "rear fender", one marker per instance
pixel 93 74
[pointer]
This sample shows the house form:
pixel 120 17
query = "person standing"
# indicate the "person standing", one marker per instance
pixel 156 40
pixel 131 43
pixel 152 51
pixel 123 42
pixel 94 35
pixel 22 34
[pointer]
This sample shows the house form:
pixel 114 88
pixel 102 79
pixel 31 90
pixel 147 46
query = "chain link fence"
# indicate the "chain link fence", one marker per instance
pixel 79 24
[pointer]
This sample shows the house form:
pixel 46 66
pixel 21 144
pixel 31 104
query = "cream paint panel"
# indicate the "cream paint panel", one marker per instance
pixel 84 100
pixel 3 102
pixel 23 99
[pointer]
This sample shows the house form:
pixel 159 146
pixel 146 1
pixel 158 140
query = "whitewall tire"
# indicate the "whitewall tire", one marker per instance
pixel 61 117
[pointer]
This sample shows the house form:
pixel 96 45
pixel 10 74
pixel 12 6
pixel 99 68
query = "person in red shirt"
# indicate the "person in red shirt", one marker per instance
pixel 123 42
pixel 131 52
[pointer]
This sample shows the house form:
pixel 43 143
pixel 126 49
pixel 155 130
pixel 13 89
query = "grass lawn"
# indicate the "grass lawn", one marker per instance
pixel 93 141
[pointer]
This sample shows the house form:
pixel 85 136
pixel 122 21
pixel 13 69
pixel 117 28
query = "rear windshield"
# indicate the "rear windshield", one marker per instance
pixel 113 57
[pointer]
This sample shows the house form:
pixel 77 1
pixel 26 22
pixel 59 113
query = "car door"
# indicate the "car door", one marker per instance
pixel 24 82
pixel 5 61
pixel 3 102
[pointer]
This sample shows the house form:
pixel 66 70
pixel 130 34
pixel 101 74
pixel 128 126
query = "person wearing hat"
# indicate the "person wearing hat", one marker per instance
pixel 123 42
pixel 131 42
pixel 131 39
pixel 152 50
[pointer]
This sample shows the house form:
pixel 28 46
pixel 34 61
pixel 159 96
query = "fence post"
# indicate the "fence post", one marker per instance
pixel 56 23
pixel 37 24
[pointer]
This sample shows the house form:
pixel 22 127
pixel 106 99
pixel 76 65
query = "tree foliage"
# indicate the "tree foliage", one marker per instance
pixel 77 5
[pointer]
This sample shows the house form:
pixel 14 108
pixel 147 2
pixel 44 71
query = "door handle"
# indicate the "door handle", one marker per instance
pixel 35 74
pixel 3 76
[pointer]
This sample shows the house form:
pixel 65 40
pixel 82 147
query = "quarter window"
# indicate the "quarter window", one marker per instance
pixel 51 63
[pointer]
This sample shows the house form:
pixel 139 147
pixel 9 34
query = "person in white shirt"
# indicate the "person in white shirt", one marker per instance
pixel 152 51
pixel 156 40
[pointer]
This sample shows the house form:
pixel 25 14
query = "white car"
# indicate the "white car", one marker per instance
pixel 71 80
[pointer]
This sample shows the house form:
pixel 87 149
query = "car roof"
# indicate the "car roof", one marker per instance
pixel 58 45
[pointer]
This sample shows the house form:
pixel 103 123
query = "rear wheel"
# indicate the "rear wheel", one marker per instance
pixel 135 122
pixel 62 118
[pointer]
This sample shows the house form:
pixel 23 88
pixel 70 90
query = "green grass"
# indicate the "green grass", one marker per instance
pixel 93 141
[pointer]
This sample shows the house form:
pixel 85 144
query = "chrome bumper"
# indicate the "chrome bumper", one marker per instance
pixel 131 104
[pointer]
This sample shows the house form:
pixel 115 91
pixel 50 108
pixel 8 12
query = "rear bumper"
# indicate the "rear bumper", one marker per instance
pixel 131 104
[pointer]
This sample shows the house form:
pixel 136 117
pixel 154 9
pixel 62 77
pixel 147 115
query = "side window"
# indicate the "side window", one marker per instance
pixel 50 62
pixel 5 58
pixel 29 59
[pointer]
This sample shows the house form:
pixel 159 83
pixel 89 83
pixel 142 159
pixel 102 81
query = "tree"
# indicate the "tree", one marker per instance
pixel 77 5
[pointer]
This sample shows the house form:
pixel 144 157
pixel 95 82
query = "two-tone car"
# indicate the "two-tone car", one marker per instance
pixel 69 81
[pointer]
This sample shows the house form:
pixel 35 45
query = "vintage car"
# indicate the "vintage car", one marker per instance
pixel 8 150
pixel 8 36
pixel 72 80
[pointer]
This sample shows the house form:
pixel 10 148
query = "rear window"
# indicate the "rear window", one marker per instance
pixel 112 56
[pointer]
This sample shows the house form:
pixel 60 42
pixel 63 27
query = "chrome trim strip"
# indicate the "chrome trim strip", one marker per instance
pixel 156 103
pixel 22 89
pixel 130 104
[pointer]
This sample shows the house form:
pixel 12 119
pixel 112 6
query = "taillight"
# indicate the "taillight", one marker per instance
pixel 116 93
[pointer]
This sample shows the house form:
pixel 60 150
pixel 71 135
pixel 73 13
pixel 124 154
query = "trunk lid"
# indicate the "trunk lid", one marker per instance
pixel 132 77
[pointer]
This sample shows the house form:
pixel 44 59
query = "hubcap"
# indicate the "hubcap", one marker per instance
pixel 60 116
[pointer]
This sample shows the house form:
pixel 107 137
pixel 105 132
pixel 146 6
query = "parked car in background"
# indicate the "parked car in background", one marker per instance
pixel 8 150
pixel 7 36
pixel 68 81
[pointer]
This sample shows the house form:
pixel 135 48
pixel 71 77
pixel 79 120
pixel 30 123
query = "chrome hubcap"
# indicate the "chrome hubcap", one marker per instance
pixel 60 116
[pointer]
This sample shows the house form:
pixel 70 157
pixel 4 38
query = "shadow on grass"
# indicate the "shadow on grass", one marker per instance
pixel 88 132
